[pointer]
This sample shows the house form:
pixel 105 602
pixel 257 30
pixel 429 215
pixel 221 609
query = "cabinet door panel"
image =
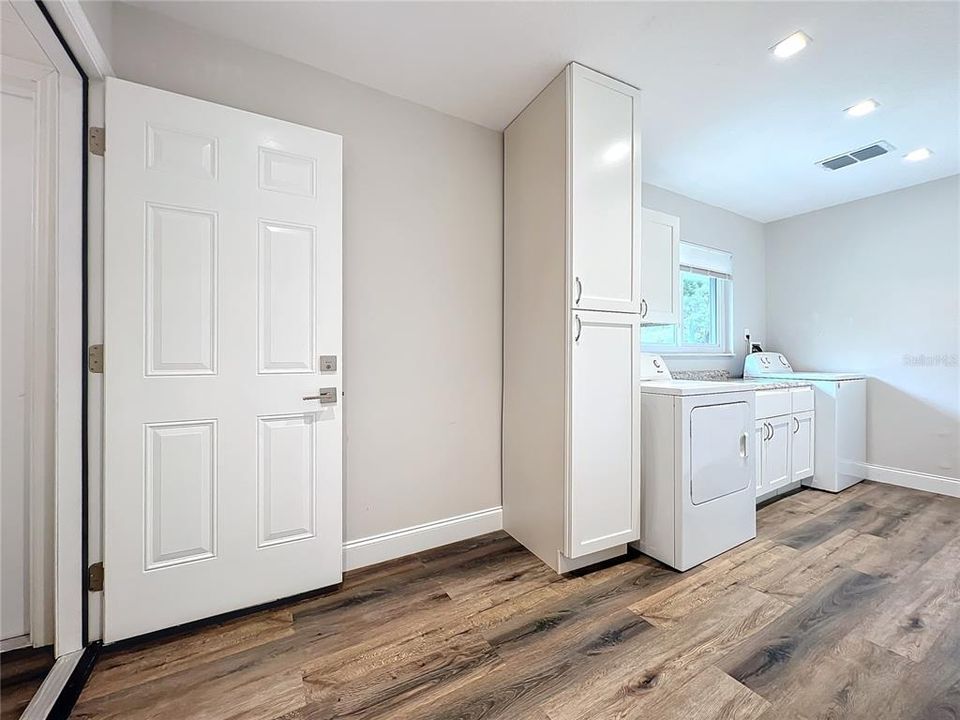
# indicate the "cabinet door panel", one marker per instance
pixel 759 441
pixel 776 455
pixel 802 452
pixel 604 485
pixel 605 201
pixel 660 269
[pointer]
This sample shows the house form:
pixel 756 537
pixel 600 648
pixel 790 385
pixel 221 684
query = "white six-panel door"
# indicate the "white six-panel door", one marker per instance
pixel 222 266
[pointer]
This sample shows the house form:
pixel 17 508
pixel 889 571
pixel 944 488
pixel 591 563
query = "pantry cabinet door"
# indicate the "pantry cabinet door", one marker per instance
pixel 603 493
pixel 605 192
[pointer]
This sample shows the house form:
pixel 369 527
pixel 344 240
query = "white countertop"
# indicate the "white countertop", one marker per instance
pixel 697 387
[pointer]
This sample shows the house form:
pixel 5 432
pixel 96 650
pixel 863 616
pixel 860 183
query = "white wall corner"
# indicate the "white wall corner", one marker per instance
pixel 388 546
pixel 939 484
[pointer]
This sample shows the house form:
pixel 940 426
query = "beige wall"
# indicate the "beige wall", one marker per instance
pixel 873 286
pixel 422 268
pixel 714 227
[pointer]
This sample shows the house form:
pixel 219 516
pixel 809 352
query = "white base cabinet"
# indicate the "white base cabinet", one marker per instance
pixel 571 397
pixel 784 434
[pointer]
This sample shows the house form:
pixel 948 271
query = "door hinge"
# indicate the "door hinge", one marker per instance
pixel 95 577
pixel 97 141
pixel 95 358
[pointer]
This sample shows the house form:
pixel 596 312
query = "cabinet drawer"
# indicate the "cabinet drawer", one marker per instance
pixel 802 399
pixel 770 403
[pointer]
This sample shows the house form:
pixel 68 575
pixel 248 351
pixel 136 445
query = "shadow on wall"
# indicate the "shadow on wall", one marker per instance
pixel 923 432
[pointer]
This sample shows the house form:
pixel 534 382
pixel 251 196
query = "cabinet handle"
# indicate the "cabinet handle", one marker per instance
pixel 643 308
pixel 579 290
pixel 579 328
pixel 743 444
pixel 773 430
pixel 796 425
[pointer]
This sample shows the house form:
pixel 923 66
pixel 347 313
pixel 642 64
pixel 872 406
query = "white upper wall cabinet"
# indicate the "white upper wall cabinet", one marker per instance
pixel 660 269
pixel 604 175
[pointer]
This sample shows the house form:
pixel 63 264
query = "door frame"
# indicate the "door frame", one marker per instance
pixel 66 36
pixel 40 83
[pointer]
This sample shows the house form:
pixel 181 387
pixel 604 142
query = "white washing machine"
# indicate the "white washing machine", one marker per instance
pixel 696 466
pixel 840 402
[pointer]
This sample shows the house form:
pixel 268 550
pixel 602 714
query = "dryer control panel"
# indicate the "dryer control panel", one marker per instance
pixel 652 367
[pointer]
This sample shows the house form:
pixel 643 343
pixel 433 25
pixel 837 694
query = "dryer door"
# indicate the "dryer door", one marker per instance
pixel 720 439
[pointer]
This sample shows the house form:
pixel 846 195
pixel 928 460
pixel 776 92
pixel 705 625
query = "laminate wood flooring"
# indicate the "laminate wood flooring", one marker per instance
pixel 21 675
pixel 845 606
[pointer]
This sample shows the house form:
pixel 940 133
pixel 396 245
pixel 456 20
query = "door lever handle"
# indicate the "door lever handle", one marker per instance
pixel 326 396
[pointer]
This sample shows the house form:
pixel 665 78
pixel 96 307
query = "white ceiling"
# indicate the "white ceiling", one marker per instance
pixel 724 121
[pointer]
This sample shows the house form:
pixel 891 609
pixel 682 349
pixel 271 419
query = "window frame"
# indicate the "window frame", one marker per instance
pixel 724 317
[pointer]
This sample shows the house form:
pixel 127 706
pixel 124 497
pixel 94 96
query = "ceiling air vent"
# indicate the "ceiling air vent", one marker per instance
pixel 854 156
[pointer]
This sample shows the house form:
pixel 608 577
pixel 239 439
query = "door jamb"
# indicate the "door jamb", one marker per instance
pixel 77 33
pixel 71 60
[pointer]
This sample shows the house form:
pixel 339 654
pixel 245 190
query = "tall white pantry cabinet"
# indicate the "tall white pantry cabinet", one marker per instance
pixel 571 410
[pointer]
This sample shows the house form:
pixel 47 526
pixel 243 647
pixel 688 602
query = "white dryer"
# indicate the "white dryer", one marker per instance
pixel 696 466
pixel 840 402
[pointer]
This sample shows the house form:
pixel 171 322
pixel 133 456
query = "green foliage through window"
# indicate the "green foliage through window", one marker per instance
pixel 701 305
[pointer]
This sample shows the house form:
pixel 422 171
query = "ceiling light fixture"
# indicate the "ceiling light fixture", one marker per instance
pixel 864 107
pixel 918 154
pixel 791 45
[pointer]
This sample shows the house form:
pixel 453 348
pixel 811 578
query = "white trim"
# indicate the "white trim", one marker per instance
pixel 53 684
pixel 15 643
pixel 42 379
pixel 72 21
pixel 939 484
pixel 67 279
pixel 39 84
pixel 388 546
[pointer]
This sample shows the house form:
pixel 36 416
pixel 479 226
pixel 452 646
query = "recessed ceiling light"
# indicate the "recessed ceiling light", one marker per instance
pixel 918 154
pixel 791 45
pixel 864 107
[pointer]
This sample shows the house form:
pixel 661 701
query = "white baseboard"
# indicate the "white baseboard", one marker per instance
pixel 939 484
pixel 15 643
pixel 388 546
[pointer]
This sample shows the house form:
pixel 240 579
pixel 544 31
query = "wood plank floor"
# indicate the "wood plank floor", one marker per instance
pixel 21 675
pixel 845 606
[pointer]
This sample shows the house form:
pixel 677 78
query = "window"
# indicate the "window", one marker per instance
pixel 705 299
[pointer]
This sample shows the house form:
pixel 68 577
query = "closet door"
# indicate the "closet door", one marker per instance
pixel 603 495
pixel 222 434
pixel 605 200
